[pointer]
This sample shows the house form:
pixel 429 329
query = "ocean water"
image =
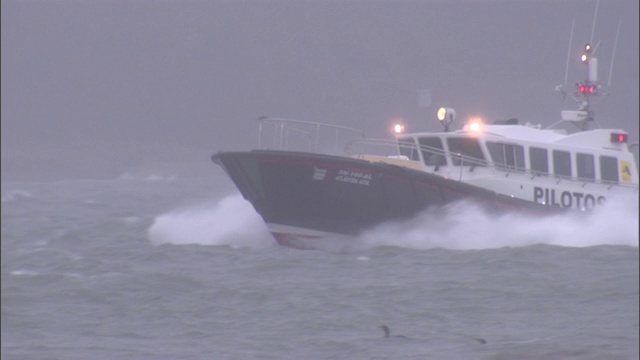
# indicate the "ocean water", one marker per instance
pixel 165 267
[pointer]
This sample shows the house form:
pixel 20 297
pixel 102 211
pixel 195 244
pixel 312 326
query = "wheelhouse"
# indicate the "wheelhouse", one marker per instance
pixel 594 156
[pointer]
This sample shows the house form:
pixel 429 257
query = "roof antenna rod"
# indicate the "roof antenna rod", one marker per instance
pixel 566 69
pixel 615 45
pixel 593 25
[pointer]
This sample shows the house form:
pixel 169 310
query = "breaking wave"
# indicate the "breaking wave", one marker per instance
pixel 14 195
pixel 146 177
pixel 231 221
pixel 464 225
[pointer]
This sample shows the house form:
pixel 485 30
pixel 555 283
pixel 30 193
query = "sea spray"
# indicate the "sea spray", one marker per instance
pixel 464 225
pixel 231 221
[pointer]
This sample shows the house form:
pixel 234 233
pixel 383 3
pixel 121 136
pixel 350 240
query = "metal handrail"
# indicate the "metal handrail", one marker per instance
pixel 473 162
pixel 282 127
pixel 386 143
pixel 467 160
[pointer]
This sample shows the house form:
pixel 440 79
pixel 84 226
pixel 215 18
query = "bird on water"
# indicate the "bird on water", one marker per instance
pixel 387 332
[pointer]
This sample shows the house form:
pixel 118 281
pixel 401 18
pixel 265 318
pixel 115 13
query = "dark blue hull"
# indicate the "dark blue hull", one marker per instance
pixel 342 195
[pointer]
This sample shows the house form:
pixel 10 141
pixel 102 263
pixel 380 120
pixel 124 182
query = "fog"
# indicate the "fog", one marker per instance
pixel 95 89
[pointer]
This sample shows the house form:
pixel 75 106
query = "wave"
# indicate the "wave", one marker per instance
pixel 73 275
pixel 460 226
pixel 146 177
pixel 465 226
pixel 14 195
pixel 232 221
pixel 24 272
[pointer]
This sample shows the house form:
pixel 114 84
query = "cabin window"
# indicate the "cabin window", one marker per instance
pixel 466 151
pixel 561 163
pixel 586 167
pixel 608 168
pixel 507 156
pixel 408 148
pixel 539 161
pixel 432 151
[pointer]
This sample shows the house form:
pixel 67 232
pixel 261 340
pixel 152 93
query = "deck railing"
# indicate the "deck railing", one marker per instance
pixel 468 162
pixel 306 134
pixel 323 137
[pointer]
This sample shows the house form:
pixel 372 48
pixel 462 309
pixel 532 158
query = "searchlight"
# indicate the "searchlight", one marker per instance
pixel 446 116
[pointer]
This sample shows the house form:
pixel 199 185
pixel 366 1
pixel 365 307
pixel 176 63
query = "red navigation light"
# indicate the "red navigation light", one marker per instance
pixel 584 89
pixel 618 138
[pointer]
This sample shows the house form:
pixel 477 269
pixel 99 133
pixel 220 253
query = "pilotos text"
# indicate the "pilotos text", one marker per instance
pixel 566 199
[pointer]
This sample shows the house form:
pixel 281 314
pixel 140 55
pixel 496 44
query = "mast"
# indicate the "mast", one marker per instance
pixel 585 90
pixel 589 88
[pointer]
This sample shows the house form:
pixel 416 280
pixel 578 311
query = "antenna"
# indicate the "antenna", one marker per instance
pixel 615 45
pixel 593 25
pixel 561 87
pixel 566 71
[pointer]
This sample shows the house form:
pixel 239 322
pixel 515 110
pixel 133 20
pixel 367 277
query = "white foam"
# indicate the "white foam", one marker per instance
pixel 231 221
pixel 152 177
pixel 466 226
pixel 14 195
pixel 131 220
pixel 23 272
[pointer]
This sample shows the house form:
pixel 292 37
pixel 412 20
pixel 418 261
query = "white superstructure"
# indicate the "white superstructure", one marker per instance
pixel 579 170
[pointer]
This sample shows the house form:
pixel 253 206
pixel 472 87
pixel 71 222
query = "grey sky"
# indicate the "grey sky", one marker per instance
pixel 98 88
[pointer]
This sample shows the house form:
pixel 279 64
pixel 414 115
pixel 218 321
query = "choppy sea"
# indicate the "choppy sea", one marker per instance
pixel 164 267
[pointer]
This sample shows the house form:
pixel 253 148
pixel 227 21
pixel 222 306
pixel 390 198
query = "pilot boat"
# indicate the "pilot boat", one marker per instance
pixel 310 196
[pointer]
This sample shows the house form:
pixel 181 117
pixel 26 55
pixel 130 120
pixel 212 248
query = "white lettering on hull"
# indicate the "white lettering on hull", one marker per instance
pixel 319 174
pixel 353 177
pixel 566 199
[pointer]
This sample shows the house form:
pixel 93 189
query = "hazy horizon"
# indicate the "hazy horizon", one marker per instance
pixel 96 89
